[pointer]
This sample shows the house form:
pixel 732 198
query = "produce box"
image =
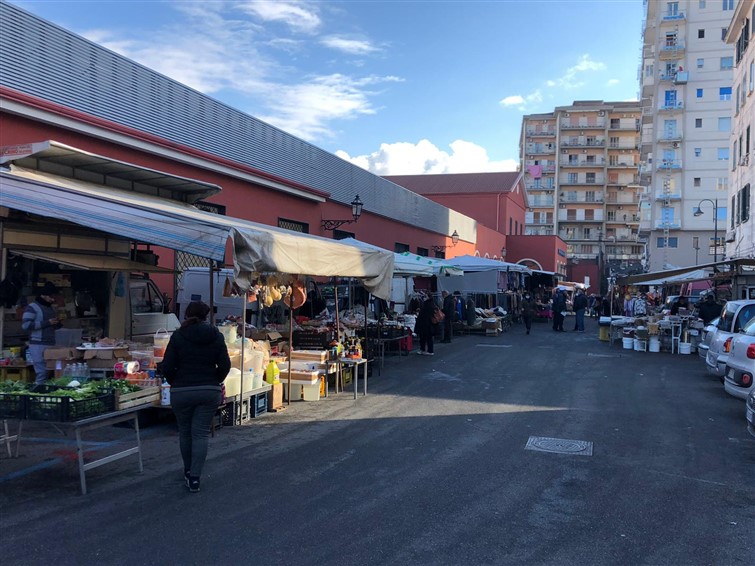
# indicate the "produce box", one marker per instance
pixel 65 409
pixel 113 354
pixel 299 375
pixel 54 353
pixel 12 406
pixel 275 397
pixel 310 355
pixel 146 396
pixel 266 335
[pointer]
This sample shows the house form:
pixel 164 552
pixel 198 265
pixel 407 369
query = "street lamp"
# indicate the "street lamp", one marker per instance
pixel 696 246
pixel 356 212
pixel 699 212
pixel 454 241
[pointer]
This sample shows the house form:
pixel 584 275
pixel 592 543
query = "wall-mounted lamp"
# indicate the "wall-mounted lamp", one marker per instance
pixel 356 212
pixel 454 240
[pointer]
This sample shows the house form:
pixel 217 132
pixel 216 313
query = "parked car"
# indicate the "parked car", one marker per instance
pixel 750 412
pixel 671 300
pixel 740 365
pixel 734 316
pixel 705 337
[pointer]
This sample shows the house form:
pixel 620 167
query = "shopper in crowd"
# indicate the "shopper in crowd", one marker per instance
pixel 449 310
pixel 529 310
pixel 597 307
pixel 40 321
pixel 559 308
pixel 424 326
pixel 709 309
pixel 580 304
pixel 628 305
pixel 196 363
pixel 680 303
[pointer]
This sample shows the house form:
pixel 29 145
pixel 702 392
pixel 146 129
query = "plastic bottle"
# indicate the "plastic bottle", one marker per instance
pixel 272 373
pixel 165 393
pixel 68 371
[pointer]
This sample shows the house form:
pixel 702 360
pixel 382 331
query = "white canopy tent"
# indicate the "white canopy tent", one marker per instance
pixel 473 263
pixel 481 275
pixel 407 264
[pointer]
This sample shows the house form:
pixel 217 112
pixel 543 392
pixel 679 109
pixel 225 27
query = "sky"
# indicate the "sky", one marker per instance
pixel 398 87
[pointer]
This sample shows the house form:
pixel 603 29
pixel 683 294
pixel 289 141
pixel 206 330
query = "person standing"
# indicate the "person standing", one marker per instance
pixel 424 327
pixel 528 311
pixel 449 310
pixel 580 304
pixel 709 309
pixel 559 308
pixel 40 321
pixel 195 365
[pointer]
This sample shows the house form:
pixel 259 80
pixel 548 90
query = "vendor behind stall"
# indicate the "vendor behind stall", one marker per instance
pixel 40 321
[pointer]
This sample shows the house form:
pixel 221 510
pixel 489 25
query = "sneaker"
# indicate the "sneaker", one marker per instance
pixel 430 354
pixel 193 485
pixel 421 352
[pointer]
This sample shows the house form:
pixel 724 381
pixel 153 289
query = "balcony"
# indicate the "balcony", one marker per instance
pixel 538 222
pixel 674 137
pixel 670 224
pixel 670 164
pixel 541 203
pixel 533 187
pixel 539 150
pixel 675 16
pixel 578 182
pixel 625 145
pixel 620 219
pixel 623 199
pixel 660 195
pixel 621 165
pixel 671 106
pixel 667 77
pixel 623 182
pixel 625 126
pixel 673 51
pixel 541 133
pixel 583 163
pixel 598 124
pixel 580 199
pixel 583 143
pixel 549 168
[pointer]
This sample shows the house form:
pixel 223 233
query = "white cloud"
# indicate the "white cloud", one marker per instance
pixel 350 46
pixel 522 103
pixel 569 79
pixel 612 82
pixel 305 109
pixel 406 158
pixel 296 15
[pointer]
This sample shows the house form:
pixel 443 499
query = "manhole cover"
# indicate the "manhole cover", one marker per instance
pixel 559 446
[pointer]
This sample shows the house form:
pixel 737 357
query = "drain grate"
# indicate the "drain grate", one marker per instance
pixel 559 446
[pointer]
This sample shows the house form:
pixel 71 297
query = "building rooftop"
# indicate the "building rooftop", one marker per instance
pixel 454 183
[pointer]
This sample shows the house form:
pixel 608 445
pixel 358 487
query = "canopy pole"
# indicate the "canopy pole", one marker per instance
pixel 237 418
pixel 3 261
pixel 290 344
pixel 212 292
pixel 338 325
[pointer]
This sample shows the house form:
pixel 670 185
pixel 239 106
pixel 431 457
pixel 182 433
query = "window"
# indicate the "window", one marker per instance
pixel 724 93
pixel 701 4
pixel 698 151
pixel 734 216
pixel 511 221
pixel 590 177
pixel 747 141
pixel 722 184
pixel 700 63
pixel 700 34
pixel 649 70
pixel 696 181
pixel 424 252
pixel 723 33
pixel 698 122
pixel 400 248
pixel 293 225
pixel 699 93
pixel 752 73
pixel 727 62
pixel 723 154
pixel 728 5
pixel 672 242
pixel 724 124
pixel 572 178
pixel 734 156
pixel 744 209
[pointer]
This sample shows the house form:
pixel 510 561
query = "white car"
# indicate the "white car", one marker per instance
pixel 740 365
pixel 705 337
pixel 750 412
pixel 734 316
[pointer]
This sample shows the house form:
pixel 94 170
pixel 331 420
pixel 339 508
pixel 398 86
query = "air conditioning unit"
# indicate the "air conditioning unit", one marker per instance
pixel 620 207
pixel 601 113
pixel 566 114
pixel 584 151
pixel 564 151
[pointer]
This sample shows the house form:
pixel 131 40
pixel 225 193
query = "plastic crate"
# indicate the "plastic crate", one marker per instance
pixel 65 409
pixel 259 404
pixel 12 405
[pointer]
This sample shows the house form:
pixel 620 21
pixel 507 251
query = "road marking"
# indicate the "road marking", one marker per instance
pixel 591 355
pixel 494 345
pixel 687 478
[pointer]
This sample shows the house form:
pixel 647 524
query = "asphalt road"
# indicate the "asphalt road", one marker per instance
pixel 431 467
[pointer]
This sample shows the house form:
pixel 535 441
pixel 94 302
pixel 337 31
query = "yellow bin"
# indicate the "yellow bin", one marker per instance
pixel 604 333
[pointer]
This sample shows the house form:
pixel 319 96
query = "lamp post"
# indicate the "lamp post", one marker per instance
pixel 454 241
pixel 696 246
pixel 356 212
pixel 699 212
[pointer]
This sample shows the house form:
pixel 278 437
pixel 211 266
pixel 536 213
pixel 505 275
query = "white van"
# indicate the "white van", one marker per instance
pixel 195 286
pixel 149 309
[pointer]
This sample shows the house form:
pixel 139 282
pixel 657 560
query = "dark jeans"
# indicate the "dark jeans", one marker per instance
pixel 579 322
pixel 194 410
pixel 426 340
pixel 527 322
pixel 447 328
pixel 558 320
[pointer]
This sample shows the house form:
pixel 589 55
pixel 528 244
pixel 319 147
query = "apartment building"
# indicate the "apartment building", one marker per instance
pixel 687 91
pixel 580 166
pixel 740 229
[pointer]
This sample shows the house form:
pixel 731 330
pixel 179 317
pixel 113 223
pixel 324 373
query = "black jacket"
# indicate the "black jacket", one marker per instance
pixel 709 310
pixel 424 319
pixel 196 355
pixel 580 302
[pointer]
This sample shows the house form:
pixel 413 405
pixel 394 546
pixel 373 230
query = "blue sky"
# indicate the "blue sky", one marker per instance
pixel 397 87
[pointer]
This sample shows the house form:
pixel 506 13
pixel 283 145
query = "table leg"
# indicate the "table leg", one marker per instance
pixel 138 442
pixel 80 453
pixel 356 379
pixel 365 377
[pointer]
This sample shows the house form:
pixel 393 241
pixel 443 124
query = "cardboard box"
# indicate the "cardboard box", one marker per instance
pixel 54 353
pixel 113 354
pixel 309 355
pixel 265 335
pixel 275 397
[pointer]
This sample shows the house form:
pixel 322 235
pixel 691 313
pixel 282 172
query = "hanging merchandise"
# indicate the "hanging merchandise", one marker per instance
pixel 227 287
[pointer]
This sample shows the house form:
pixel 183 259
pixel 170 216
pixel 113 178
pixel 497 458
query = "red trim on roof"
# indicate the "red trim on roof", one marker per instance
pixel 66 112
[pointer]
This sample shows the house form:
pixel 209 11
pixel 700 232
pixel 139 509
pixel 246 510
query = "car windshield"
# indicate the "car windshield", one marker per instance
pixel 749 328
pixel 745 315
pixel 727 317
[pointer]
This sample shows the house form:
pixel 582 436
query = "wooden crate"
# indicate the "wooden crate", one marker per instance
pixel 17 373
pixel 146 396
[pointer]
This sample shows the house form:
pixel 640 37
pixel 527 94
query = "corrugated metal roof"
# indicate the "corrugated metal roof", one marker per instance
pixel 44 60
pixel 455 183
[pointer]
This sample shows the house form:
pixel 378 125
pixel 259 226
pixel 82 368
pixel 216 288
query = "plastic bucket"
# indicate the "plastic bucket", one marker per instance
pixel 654 345
pixel 230 333
pixel 638 345
pixel 162 337
pixel 628 343
pixel 685 347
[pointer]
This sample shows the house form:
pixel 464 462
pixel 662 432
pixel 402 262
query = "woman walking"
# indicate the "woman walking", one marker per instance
pixel 424 327
pixel 528 311
pixel 195 364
